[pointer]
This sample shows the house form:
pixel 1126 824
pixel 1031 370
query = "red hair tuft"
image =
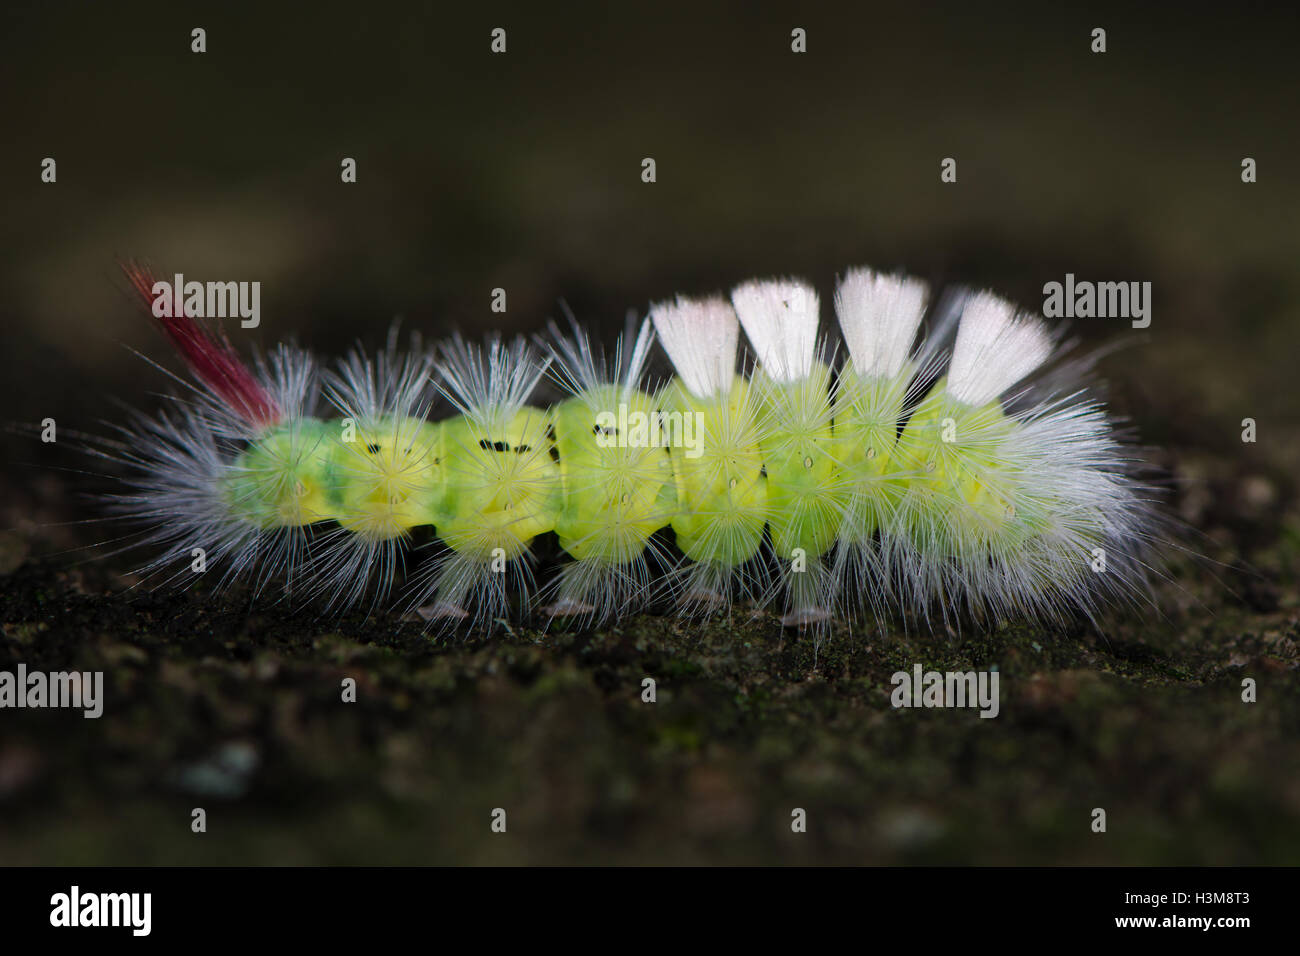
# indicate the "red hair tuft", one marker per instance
pixel 212 361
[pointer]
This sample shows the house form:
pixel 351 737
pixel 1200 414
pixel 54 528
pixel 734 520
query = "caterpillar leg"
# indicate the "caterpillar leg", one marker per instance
pixel 501 487
pixel 616 477
pixel 618 491
pixel 805 504
pixel 721 495
pixel 879 316
pixel 721 490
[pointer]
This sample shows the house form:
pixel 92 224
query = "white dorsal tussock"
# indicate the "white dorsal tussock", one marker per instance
pixel 879 316
pixel 780 318
pixel 700 337
pixel 996 347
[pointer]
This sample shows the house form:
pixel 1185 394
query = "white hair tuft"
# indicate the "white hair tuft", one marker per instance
pixel 780 318
pixel 996 347
pixel 700 337
pixel 879 316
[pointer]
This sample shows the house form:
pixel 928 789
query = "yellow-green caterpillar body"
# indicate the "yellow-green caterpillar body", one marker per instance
pixel 882 483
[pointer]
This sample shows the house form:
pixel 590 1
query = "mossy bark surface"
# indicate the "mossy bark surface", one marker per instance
pixel 238 709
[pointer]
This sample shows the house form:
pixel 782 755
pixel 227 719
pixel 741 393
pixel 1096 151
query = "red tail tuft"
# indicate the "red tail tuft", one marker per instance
pixel 212 361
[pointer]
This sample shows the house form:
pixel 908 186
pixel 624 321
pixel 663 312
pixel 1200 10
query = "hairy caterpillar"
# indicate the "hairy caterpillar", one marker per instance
pixel 881 482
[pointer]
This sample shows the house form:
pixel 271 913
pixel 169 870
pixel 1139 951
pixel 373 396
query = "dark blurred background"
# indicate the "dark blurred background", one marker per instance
pixel 523 171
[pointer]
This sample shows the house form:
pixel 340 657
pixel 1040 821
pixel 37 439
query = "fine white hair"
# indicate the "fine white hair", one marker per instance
pixel 996 347
pixel 780 318
pixel 879 316
pixel 701 337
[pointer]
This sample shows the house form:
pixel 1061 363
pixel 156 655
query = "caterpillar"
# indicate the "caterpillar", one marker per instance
pixel 923 471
